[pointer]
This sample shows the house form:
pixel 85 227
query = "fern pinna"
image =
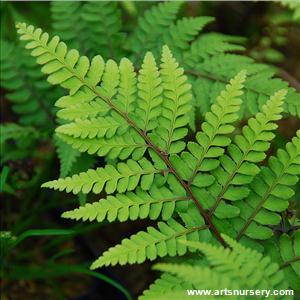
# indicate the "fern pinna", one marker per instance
pixel 201 191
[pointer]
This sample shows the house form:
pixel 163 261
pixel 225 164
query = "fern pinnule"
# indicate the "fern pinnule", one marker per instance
pixel 175 106
pixel 123 177
pixel 180 35
pixel 166 284
pixel 127 89
pixel 158 202
pixel 94 127
pixel 151 244
pixel 118 146
pixel 270 192
pixel 217 124
pixel 67 156
pixel 149 94
pixel 239 166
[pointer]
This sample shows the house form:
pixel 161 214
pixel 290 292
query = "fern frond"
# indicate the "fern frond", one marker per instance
pixel 82 105
pixel 223 268
pixel 81 25
pixel 216 71
pixel 26 89
pixel 204 154
pixel 128 144
pixel 103 28
pixel 149 92
pixel 123 177
pixel 151 244
pixel 211 44
pixel 235 264
pixel 175 106
pixel 140 204
pixel 67 22
pixel 67 156
pixel 238 167
pixel 127 89
pixel 270 192
pixel 151 27
pixel 94 127
pixel 180 35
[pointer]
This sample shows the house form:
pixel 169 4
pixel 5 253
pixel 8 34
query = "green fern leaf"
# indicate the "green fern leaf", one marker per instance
pixel 67 156
pixel 290 254
pixel 180 35
pixel 151 244
pixel 126 176
pixel 216 71
pixel 222 268
pixel 127 88
pixel 103 19
pixel 141 204
pixel 27 91
pixel 150 89
pixel 271 190
pixel 211 44
pixel 151 27
pixel 176 104
pixel 166 284
pixel 67 21
pixel 95 127
pixel 128 144
pixel 211 140
pixel 238 167
pixel 80 25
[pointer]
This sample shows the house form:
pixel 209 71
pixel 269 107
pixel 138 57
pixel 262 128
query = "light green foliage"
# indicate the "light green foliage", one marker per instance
pixel 294 6
pixel 139 205
pixel 222 268
pixel 176 104
pixel 203 155
pixel 179 35
pixel 289 252
pixel 149 94
pixel 138 119
pixel 207 57
pixel 126 176
pixel 154 243
pixel 67 156
pixel 238 167
pixel 270 192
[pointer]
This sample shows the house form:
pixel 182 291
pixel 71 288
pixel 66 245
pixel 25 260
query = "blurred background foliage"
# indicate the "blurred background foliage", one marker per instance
pixel 39 257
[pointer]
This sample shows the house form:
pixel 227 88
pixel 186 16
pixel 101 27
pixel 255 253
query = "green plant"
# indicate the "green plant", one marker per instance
pixel 220 269
pixel 201 190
